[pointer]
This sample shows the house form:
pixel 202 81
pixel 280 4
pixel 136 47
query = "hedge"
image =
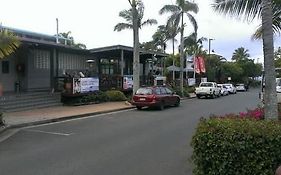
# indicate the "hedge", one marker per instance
pixel 115 95
pixel 234 146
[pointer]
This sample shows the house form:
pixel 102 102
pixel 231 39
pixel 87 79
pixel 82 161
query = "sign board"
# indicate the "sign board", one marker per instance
pixel 160 81
pixel 229 78
pixel 191 81
pixel 85 85
pixel 204 79
pixel 127 82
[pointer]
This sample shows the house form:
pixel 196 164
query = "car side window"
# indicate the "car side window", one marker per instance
pixel 157 91
pixel 163 90
pixel 169 91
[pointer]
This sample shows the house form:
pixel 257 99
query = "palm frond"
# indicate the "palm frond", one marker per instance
pixel 149 22
pixel 127 15
pixel 8 43
pixel 244 9
pixel 169 9
pixel 122 26
pixel 190 7
pixel 193 22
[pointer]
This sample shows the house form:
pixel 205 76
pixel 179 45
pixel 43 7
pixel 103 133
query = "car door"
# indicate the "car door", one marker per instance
pixel 172 97
pixel 164 96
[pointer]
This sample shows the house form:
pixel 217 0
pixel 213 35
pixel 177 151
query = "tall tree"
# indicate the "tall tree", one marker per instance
pixel 127 15
pixel 69 40
pixel 178 11
pixel 134 18
pixel 249 10
pixel 8 43
pixel 240 54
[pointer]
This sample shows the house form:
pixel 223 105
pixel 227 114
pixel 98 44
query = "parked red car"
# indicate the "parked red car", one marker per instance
pixel 155 96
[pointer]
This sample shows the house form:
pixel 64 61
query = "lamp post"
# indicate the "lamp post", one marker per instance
pixel 210 39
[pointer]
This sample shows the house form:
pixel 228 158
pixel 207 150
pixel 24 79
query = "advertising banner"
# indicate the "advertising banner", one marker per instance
pixel 85 85
pixel 197 65
pixel 202 64
pixel 191 81
pixel 127 82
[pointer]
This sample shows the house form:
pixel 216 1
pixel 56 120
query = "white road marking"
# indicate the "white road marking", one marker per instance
pixel 81 118
pixel 46 132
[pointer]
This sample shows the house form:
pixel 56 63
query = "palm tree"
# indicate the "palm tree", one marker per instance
pixel 178 11
pixel 8 43
pixel 253 9
pixel 250 9
pixel 194 46
pixel 127 15
pixel 240 54
pixel 159 38
pixel 133 18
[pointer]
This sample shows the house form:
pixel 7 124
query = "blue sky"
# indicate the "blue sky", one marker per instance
pixel 92 21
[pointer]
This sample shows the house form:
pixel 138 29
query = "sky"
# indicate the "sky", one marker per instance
pixel 92 22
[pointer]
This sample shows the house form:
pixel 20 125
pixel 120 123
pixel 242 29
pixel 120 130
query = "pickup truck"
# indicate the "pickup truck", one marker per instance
pixel 207 89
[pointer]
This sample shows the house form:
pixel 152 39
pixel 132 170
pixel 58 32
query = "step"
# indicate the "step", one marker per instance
pixel 30 106
pixel 28 99
pixel 31 102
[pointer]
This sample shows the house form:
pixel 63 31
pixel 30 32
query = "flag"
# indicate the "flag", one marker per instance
pixel 197 65
pixel 202 64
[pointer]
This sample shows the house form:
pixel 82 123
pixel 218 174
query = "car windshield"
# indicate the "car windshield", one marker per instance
pixel 206 85
pixel 144 91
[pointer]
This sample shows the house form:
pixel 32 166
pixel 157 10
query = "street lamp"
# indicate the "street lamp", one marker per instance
pixel 210 39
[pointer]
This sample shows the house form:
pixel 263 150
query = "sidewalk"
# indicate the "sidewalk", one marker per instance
pixel 59 113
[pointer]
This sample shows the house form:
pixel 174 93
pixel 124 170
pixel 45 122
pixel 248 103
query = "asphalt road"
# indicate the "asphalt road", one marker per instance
pixel 147 142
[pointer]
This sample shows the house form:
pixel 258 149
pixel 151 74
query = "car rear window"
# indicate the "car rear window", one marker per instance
pixel 206 85
pixel 144 91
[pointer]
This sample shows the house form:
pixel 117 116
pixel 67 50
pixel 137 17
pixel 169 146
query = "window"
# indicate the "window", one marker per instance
pixel 169 91
pixel 5 67
pixel 163 90
pixel 157 91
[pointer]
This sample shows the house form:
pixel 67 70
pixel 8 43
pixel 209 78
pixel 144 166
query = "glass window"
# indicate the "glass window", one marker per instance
pixel 144 91
pixel 157 91
pixel 163 90
pixel 169 91
pixel 5 67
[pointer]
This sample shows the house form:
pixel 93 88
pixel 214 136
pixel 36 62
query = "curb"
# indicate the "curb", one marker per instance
pixel 3 129
pixel 61 119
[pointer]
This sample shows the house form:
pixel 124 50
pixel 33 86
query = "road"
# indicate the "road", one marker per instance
pixel 147 142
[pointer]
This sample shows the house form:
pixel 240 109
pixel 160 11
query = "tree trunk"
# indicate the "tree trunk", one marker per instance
pixel 270 96
pixel 181 55
pixel 136 71
pixel 173 58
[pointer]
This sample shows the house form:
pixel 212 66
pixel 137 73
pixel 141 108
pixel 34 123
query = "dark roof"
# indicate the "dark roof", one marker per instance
pixel 116 51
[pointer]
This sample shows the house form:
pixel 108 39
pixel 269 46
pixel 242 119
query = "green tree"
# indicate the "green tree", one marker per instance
pixel 178 11
pixel 250 9
pixel 127 15
pixel 194 46
pixel 69 40
pixel 240 54
pixel 8 43
pixel 133 19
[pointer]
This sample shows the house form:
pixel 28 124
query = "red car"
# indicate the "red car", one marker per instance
pixel 156 96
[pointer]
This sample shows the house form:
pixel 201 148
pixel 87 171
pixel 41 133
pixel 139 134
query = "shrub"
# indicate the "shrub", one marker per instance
pixel 115 95
pixel 236 146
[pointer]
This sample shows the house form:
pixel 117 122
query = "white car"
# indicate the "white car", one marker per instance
pixel 230 88
pixel 223 89
pixel 207 89
pixel 240 87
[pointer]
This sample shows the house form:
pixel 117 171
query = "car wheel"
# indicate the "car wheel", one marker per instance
pixel 139 107
pixel 198 96
pixel 177 104
pixel 213 96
